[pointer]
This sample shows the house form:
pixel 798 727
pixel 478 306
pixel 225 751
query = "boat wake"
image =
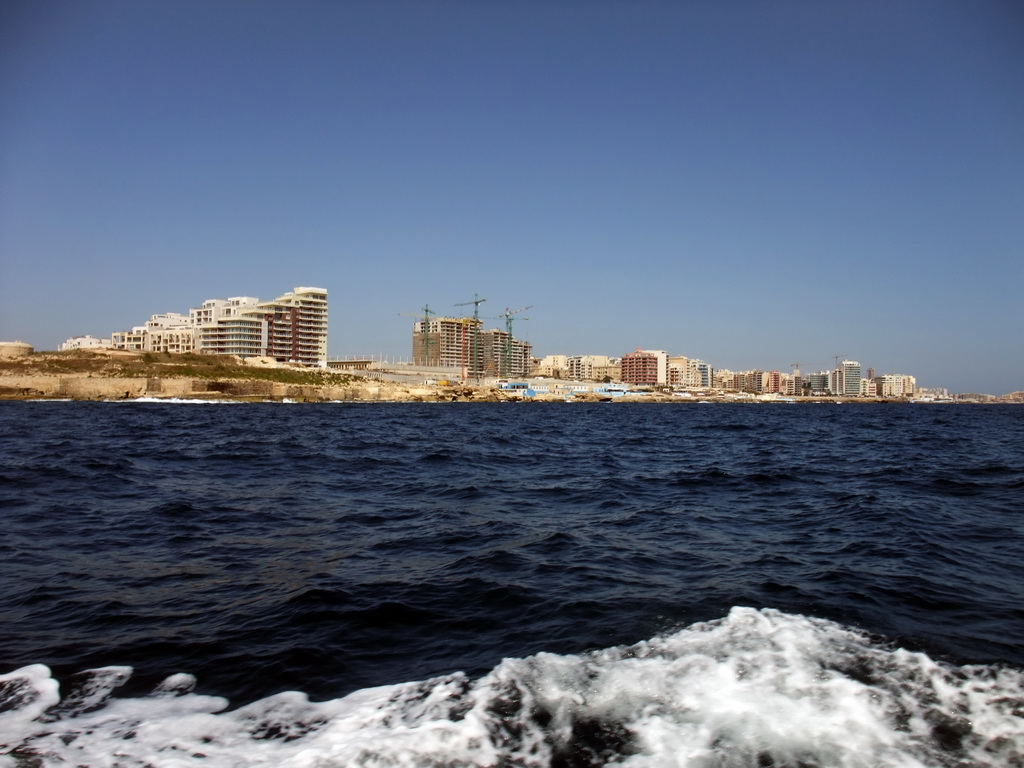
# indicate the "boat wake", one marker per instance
pixel 756 688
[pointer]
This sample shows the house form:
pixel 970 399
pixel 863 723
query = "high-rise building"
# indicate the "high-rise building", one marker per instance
pixel 446 342
pixel 234 326
pixel 461 342
pixel 677 370
pixel 817 383
pixel 845 379
pixel 645 366
pixel 698 373
pixel 751 381
pixel 504 356
pixel 723 378
pixel 297 326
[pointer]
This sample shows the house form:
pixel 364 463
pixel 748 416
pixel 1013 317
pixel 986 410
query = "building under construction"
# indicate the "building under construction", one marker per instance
pixel 462 343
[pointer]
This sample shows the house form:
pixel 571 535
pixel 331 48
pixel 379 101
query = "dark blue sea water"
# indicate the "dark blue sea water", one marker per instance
pixel 511 584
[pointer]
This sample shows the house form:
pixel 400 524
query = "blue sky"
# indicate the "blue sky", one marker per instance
pixel 750 183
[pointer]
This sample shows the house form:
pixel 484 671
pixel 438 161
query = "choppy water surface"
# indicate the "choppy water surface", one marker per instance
pixel 504 584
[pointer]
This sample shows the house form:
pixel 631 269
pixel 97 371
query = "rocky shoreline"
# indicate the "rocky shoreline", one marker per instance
pixel 87 387
pixel 119 375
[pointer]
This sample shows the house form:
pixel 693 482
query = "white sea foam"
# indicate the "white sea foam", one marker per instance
pixel 757 688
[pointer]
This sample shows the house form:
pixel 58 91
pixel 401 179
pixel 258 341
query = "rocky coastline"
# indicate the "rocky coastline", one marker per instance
pixel 121 375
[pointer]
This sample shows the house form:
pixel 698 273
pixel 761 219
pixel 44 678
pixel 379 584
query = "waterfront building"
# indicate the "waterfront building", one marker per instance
pixel 213 310
pixel 689 372
pixel 587 367
pixel 169 332
pixel 610 372
pixel 242 335
pixel 723 378
pixel 698 374
pixel 233 326
pixel 291 328
pixel 135 339
pixel 817 383
pixel 677 370
pixel 793 383
pixel 772 382
pixel 645 366
pixel 297 326
pixel 895 385
pixel 750 381
pixel 845 379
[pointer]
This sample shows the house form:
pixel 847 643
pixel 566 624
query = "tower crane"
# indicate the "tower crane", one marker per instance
pixel 475 352
pixel 508 314
pixel 425 330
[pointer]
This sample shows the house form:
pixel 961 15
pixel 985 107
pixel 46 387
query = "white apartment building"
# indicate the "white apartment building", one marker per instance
pixel 169 332
pixel 84 342
pixel 135 339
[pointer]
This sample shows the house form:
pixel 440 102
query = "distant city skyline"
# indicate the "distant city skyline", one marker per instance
pixel 752 184
pixel 294 328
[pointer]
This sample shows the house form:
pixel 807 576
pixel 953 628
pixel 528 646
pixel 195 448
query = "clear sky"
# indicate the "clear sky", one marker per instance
pixel 750 183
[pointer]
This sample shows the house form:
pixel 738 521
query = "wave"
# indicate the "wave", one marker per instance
pixel 756 688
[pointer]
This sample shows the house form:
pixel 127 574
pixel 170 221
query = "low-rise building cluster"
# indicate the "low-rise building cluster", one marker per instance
pixel 657 368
